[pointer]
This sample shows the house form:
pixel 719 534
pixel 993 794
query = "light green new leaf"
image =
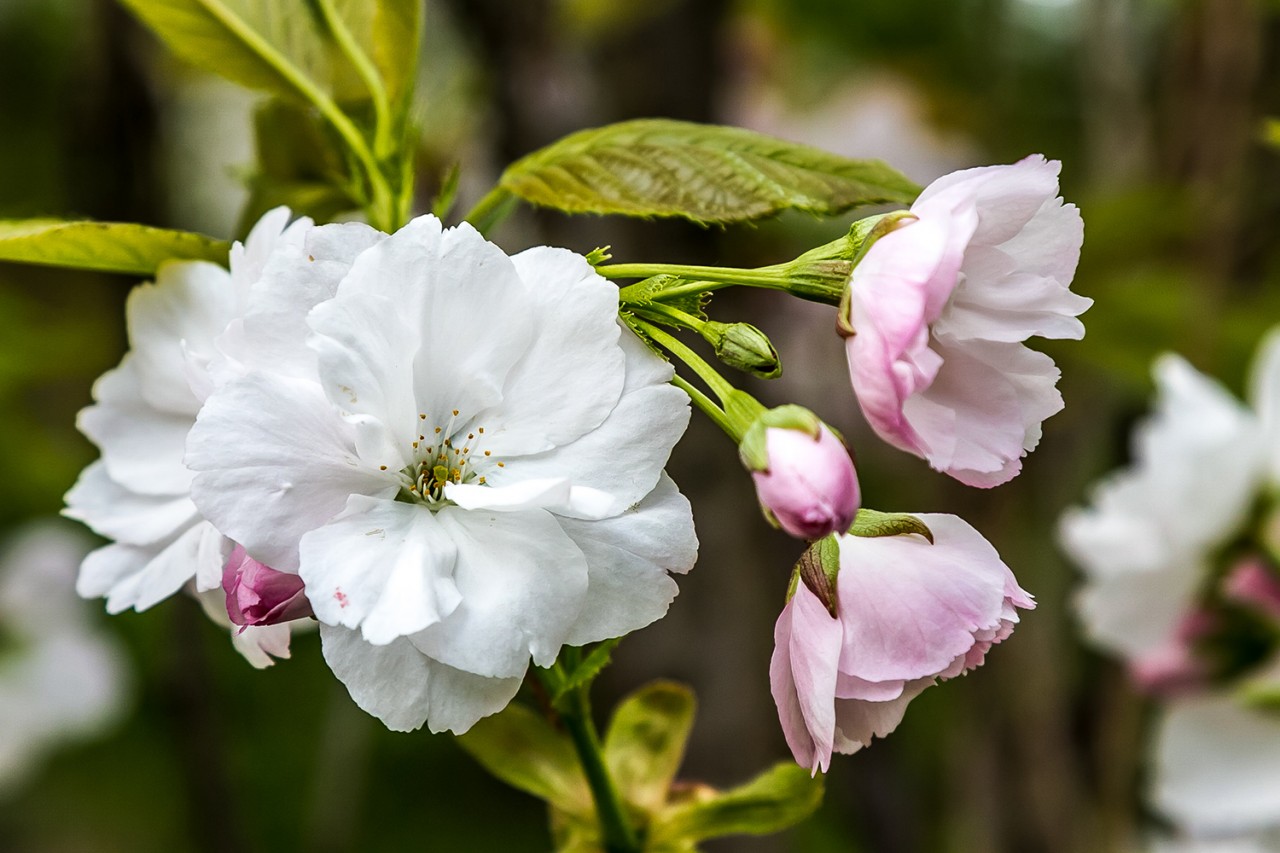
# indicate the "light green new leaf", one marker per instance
pixel 523 750
pixel 774 800
pixel 646 740
pixel 587 670
pixel 387 33
pixel 103 246
pixel 707 173
pixel 272 45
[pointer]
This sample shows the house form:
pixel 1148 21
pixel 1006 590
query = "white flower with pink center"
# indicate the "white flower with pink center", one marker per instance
pixel 471 479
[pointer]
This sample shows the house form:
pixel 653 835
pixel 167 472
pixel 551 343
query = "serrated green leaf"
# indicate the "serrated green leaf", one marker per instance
pixel 646 741
pixel 706 173
pixel 819 569
pixel 103 246
pixel 522 749
pixel 871 523
pixel 776 799
pixel 586 671
pixel 275 46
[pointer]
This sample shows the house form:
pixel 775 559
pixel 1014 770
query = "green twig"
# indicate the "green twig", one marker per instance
pixel 368 74
pixel 496 206
pixel 615 828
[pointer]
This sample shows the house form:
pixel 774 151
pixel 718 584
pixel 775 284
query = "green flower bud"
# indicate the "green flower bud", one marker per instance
pixel 745 347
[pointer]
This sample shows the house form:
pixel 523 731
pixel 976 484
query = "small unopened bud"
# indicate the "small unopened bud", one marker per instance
pixel 260 595
pixel 745 347
pixel 1251 584
pixel 803 473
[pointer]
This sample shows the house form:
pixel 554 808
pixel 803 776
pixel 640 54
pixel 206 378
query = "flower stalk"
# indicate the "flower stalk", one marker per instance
pixel 617 833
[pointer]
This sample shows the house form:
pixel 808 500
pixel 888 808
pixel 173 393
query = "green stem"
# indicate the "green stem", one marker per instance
pixel 708 374
pixel 672 314
pixel 380 214
pixel 708 407
pixel 368 74
pixel 492 209
pixel 773 279
pixel 618 834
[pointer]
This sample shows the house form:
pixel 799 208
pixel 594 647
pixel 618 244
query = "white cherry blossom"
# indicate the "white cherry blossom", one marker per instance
pixel 472 477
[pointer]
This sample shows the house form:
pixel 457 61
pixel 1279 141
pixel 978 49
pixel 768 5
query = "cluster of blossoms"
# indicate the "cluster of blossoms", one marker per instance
pixel 1180 552
pixel 452 459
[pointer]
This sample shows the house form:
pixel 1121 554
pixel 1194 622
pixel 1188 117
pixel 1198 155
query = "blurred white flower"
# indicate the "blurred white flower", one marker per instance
pixel 1146 542
pixel 60 678
pixel 1216 770
pixel 196 327
pixel 475 479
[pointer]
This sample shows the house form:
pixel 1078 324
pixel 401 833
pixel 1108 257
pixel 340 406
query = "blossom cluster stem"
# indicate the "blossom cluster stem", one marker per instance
pixel 496 206
pixel 575 713
pixel 368 74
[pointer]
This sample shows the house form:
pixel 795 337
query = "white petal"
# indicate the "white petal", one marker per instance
pixel 133 577
pixel 298 275
pixel 383 566
pixel 522 495
pixel 1007 196
pixel 260 645
pixel 522 580
pixel 118 513
pixel 1136 613
pixel 141 446
pixel 1218 766
pixel 404 688
pixel 628 560
pixel 173 324
pixel 622 458
pixel 571 376
pixel 273 461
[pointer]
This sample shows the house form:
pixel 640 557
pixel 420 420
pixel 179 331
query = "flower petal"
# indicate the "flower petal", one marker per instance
pixel 273 461
pixel 911 608
pixel 628 560
pixel 1218 766
pixel 522 580
pixel 858 721
pixel 383 566
pixel 133 577
pixel 115 512
pixel 404 688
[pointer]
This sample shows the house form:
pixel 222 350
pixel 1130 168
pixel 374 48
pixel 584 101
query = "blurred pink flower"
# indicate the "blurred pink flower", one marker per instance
pixel 260 595
pixel 940 306
pixel 810 486
pixel 1252 584
pixel 908 613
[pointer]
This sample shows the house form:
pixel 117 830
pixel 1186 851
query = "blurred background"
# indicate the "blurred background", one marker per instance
pixel 1155 107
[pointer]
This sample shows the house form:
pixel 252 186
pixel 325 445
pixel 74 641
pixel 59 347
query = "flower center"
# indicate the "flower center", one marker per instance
pixel 443 454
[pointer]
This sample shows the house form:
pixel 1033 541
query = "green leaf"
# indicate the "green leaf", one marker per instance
pixel 586 671
pixel 819 569
pixel 103 246
pixel 871 523
pixel 388 32
pixel 523 750
pixel 706 173
pixel 646 741
pixel 776 799
pixel 275 46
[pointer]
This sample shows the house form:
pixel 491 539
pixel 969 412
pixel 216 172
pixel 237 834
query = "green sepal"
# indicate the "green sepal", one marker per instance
pixel 743 346
pixel 870 523
pixel 586 671
pixel 819 570
pixel 863 234
pixel 705 173
pixel 599 255
pixel 104 246
pixel 522 749
pixel 779 798
pixel 645 743
pixel 753 449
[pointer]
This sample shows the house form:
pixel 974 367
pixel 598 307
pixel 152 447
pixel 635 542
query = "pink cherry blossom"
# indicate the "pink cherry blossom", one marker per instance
pixel 1252 584
pixel 908 613
pixel 940 306
pixel 810 486
pixel 260 595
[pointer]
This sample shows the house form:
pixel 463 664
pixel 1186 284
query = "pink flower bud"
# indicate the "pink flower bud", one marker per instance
pixel 1253 585
pixel 810 485
pixel 260 595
